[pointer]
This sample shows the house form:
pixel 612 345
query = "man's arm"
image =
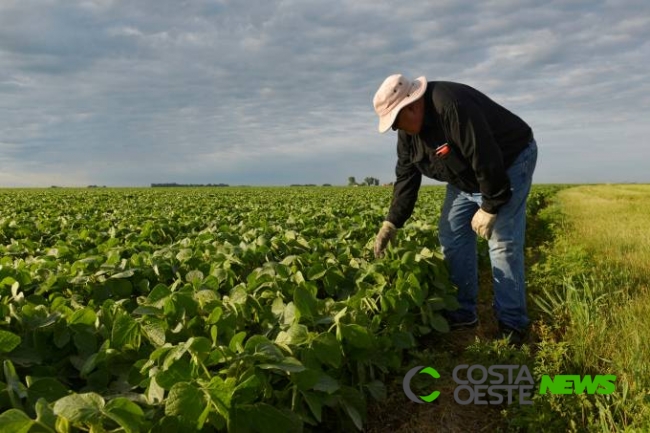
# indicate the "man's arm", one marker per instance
pixel 469 129
pixel 407 183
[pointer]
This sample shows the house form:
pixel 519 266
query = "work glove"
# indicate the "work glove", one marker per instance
pixel 386 234
pixel 483 223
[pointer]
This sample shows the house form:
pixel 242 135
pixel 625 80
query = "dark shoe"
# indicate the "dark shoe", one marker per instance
pixel 459 322
pixel 464 324
pixel 513 335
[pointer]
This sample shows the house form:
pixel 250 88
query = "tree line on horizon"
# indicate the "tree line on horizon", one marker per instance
pixel 369 181
pixel 186 185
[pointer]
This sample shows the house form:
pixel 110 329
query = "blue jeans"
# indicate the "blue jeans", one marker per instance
pixel 458 242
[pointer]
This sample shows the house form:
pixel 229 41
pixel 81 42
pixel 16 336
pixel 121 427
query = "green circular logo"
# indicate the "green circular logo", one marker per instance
pixel 406 384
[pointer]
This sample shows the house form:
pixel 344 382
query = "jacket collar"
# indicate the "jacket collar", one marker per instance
pixel 430 120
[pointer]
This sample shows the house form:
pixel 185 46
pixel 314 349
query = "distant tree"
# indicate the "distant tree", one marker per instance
pixel 352 181
pixel 189 185
pixel 327 184
pixel 370 181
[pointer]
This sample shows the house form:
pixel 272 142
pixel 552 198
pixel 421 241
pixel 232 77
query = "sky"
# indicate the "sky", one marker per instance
pixel 267 92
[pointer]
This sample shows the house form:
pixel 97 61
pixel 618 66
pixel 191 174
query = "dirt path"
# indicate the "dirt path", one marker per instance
pixel 399 414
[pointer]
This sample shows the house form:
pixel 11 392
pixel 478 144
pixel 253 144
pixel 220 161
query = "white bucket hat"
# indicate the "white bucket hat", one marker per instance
pixel 395 93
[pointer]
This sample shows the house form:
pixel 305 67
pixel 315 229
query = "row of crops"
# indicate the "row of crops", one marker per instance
pixel 252 309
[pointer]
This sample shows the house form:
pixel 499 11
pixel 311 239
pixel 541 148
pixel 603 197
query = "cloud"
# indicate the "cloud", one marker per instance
pixel 274 92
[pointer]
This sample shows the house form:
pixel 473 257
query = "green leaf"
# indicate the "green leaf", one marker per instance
pixel 289 315
pixel 236 342
pixel 377 390
pixel 221 393
pixel 264 418
pixel 306 379
pixel 8 341
pixel 44 413
pixel 207 298
pixel 126 332
pixel 250 386
pixel 158 296
pixel 356 335
pixel 85 341
pixel 328 349
pixel 238 295
pixel 408 258
pixel 439 323
pixel 145 310
pixel 8 281
pixel 14 385
pixel 174 355
pixel 316 272
pixel 203 418
pixel 261 346
pixel 327 384
pixel 296 335
pixel 215 315
pixel 126 274
pixel 340 315
pixel 451 302
pixel 298 278
pixel 118 286
pixel 184 255
pixel 354 405
pixel 289 260
pixel 194 277
pixel 185 303
pixel 61 337
pixel 154 329
pixel 47 388
pixel 179 371
pixel 437 303
pixel 79 407
pixel 403 340
pixel 126 413
pixel 62 425
pixel 186 401
pixel 332 280
pixel 288 365
pixel 84 316
pixel 315 403
pixel 15 421
pixel 415 290
pixel 277 308
pixel 199 345
pixel 155 393
pixel 305 301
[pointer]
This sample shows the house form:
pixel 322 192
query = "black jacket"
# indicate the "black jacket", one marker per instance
pixel 483 139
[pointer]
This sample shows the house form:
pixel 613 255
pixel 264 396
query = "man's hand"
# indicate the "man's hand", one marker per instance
pixel 483 223
pixel 386 234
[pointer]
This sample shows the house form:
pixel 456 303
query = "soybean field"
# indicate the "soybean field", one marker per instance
pixel 264 310
pixel 251 309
